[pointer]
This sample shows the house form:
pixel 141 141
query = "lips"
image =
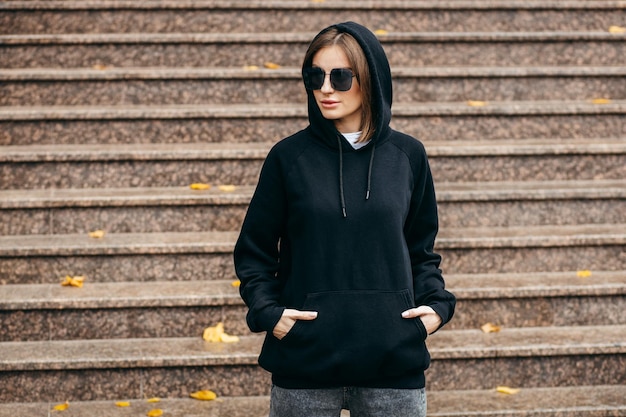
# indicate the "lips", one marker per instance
pixel 329 103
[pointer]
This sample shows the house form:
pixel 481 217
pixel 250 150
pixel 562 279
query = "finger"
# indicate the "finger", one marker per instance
pixel 306 315
pixel 417 312
pixel 410 313
pixel 423 310
pixel 300 315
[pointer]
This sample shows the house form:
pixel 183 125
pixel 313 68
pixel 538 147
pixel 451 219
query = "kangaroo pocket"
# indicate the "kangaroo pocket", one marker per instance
pixel 358 336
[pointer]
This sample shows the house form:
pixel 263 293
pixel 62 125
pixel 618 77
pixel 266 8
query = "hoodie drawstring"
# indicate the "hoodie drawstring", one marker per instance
pixel 369 177
pixel 341 194
pixel 369 173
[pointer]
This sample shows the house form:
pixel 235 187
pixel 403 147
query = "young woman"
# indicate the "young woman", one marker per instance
pixel 335 254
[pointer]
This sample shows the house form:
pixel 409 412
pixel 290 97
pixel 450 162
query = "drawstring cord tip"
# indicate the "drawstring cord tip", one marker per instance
pixel 343 210
pixel 367 195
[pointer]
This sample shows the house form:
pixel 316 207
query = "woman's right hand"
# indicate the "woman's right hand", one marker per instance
pixel 288 320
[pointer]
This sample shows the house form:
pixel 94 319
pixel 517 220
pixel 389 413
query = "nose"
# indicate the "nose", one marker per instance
pixel 326 87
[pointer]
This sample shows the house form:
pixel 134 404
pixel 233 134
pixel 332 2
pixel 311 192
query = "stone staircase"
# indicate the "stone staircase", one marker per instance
pixel 109 109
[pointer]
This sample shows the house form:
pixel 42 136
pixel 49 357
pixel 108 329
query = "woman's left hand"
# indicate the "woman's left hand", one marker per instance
pixel 431 320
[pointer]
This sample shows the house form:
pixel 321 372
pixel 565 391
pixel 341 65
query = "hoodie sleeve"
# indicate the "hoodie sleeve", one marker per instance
pixel 256 254
pixel 420 230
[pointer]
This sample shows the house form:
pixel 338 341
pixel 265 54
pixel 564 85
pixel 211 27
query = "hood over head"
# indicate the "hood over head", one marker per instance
pixel 380 101
pixel 380 80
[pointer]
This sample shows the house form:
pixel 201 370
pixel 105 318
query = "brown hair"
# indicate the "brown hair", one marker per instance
pixel 359 65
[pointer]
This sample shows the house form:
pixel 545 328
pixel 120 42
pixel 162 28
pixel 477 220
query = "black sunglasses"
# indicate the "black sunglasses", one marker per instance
pixel 340 78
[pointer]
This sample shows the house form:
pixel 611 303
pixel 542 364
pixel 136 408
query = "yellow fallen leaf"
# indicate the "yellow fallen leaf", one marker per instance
pixel 490 328
pixel 76 281
pixel 227 338
pixel 122 404
pixel 250 67
pixel 203 395
pixel 381 32
pixel 506 390
pixel 318 1
pixel 227 188
pixel 199 186
pixel 157 412
pixel 585 273
pixel 476 103
pixel 97 234
pixel 216 334
pixel 271 65
pixel 236 283
pixel 601 101
pixel 617 29
pixel 153 400
pixel 62 407
pixel 101 67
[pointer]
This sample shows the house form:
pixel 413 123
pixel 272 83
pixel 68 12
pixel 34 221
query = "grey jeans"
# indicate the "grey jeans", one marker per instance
pixel 362 402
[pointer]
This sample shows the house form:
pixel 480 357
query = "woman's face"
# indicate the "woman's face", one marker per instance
pixel 343 107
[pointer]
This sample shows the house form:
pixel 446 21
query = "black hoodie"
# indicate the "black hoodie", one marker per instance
pixel 350 234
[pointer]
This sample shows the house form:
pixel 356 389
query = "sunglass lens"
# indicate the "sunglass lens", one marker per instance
pixel 313 78
pixel 341 79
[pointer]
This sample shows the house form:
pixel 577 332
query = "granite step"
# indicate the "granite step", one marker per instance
pixel 590 401
pixel 192 256
pixel 169 165
pixel 216 16
pixel 185 309
pixel 413 49
pixel 180 209
pixel 252 123
pixel 154 86
pixel 87 370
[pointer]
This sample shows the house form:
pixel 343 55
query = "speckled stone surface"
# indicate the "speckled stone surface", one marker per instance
pixel 128 174
pixel 245 124
pixel 598 401
pixel 211 16
pixel 532 357
pixel 235 50
pixel 143 268
pixel 132 367
pixel 120 310
pixel 179 209
pixel 183 256
pixel 116 174
pixel 130 210
pixel 184 309
pixel 104 166
pixel 155 86
pixel 538 299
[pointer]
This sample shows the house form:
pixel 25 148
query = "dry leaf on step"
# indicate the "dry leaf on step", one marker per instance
pixel 62 407
pixel 199 186
pixel 203 395
pixel 381 32
pixel 601 101
pixel 476 103
pixel 617 29
pixel 157 412
pixel 507 390
pixel 97 234
pixel 153 400
pixel 122 404
pixel 490 328
pixel 76 281
pixel 227 188
pixel 250 67
pixel 236 283
pixel 216 334
pixel 585 273
pixel 271 65
pixel 101 67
